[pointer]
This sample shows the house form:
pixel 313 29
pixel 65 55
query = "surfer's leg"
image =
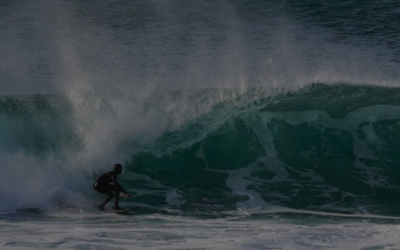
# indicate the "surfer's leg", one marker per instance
pixel 107 190
pixel 116 207
pixel 102 205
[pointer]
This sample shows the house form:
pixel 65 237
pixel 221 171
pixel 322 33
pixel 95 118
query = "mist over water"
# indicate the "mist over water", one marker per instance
pixel 152 84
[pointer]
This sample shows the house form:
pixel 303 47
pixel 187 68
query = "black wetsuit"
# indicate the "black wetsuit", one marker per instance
pixel 103 186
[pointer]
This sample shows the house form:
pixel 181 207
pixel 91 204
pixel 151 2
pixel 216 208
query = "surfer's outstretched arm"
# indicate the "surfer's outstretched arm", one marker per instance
pixel 120 189
pixel 126 195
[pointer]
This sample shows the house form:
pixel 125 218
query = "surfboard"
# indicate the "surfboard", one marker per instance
pixel 121 211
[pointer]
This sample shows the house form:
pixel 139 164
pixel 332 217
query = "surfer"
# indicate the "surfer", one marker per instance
pixel 102 185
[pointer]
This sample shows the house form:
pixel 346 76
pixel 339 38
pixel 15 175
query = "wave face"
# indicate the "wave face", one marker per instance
pixel 329 148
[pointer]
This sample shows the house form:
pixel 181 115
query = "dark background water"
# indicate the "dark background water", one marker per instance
pixel 52 45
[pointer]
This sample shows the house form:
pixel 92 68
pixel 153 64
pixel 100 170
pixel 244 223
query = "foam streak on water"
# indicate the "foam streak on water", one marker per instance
pixel 171 232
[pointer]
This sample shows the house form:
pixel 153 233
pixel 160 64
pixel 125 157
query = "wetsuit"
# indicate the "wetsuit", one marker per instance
pixel 103 186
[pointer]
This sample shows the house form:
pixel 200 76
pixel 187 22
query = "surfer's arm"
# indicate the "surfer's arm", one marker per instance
pixel 120 189
pixel 126 195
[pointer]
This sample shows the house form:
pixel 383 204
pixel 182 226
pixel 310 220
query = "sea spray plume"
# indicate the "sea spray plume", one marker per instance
pixel 29 182
pixel 42 172
pixel 125 114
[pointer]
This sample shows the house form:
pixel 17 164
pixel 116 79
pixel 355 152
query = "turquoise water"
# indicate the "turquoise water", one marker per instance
pixel 284 115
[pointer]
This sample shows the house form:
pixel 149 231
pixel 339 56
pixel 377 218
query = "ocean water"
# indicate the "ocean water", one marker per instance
pixel 284 114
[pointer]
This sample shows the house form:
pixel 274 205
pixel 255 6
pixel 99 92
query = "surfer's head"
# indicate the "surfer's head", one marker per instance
pixel 118 168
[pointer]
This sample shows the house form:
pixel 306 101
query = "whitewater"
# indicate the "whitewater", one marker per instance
pixel 284 115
